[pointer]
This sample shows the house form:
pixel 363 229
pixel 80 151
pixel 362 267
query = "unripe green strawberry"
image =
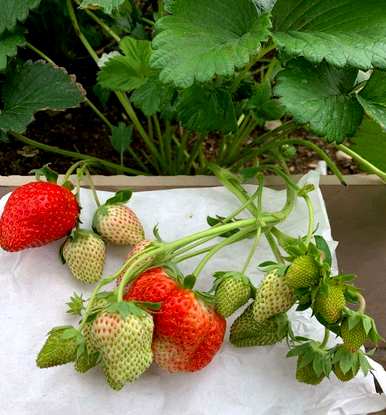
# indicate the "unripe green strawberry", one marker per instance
pixel 246 332
pixel 345 377
pixel 352 339
pixel 273 296
pixel 307 374
pixel 231 293
pixel 330 306
pixel 84 252
pixel 56 350
pixel 303 272
pixel 125 346
pixel 118 224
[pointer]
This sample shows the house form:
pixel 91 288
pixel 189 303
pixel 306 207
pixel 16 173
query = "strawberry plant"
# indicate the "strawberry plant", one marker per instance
pixel 188 73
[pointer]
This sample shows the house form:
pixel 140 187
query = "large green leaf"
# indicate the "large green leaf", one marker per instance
pixel 8 46
pixel 321 97
pixel 34 87
pixel 370 143
pixel 12 11
pixel 106 5
pixel 129 71
pixel 343 32
pixel 204 38
pixel 152 96
pixel 203 108
pixel 373 97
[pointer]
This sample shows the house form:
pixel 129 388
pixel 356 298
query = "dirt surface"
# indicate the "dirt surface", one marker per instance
pixel 82 131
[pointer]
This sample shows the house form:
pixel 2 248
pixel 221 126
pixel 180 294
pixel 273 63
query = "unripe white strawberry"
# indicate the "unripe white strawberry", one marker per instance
pixel 84 252
pixel 118 224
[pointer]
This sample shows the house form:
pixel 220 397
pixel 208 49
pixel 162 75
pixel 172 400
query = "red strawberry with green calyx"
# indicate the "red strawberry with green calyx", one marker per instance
pixel 36 214
pixel 116 223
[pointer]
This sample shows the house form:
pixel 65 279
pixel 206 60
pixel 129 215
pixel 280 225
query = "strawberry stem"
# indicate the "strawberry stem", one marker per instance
pixel 252 250
pixel 326 337
pixel 274 247
pixel 362 303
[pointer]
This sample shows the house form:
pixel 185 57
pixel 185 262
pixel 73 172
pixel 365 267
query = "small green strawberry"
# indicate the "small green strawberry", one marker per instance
pixel 306 374
pixel 233 290
pixel 352 339
pixel 124 344
pixel 273 296
pixel 57 350
pixel 246 332
pixel 303 272
pixel 84 252
pixel 330 302
pixel 345 377
pixel 118 224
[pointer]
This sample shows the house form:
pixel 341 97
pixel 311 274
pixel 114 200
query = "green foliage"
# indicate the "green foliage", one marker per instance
pixel 13 11
pixel 121 137
pixel 129 71
pixel 107 5
pixel 373 98
pixel 339 31
pixel 203 108
pixel 321 96
pixel 203 39
pixel 370 143
pixel 9 43
pixel 33 87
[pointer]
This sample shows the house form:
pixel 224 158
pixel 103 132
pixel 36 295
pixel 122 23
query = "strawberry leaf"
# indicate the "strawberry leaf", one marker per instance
pixel 370 143
pixel 202 39
pixel 76 305
pixel 320 96
pixel 9 42
pixel 341 32
pixel 13 11
pixel 106 5
pixel 122 196
pixel 128 71
pixel 121 137
pixel 373 98
pixel 33 87
pixel 203 108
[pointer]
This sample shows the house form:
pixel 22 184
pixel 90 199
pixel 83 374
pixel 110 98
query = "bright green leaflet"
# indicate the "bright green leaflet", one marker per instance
pixel 8 46
pixel 12 11
pixel 320 96
pixel 121 137
pixel 373 97
pixel 107 5
pixel 370 143
pixel 203 109
pixel 152 96
pixel 34 87
pixel 343 32
pixel 205 38
pixel 128 71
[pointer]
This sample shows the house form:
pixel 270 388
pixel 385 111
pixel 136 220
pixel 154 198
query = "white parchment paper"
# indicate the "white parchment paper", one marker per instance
pixel 249 381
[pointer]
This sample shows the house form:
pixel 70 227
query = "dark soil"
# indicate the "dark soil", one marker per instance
pixel 82 131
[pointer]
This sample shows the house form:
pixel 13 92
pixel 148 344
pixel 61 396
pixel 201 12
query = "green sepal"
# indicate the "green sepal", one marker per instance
pixel 221 276
pixel 156 233
pixel 68 185
pixel 323 247
pixel 207 297
pixel 220 220
pixel 269 266
pixel 122 196
pixel 47 172
pixel 125 308
pixel 356 317
pixel 148 306
pixel 249 173
pixel 75 305
pixel 189 281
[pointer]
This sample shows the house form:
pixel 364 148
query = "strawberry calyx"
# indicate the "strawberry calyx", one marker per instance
pixel 349 362
pixel 47 172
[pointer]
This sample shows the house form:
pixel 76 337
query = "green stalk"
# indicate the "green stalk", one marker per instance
pixel 320 152
pixel 103 25
pixel 77 156
pixel 368 166
pixel 231 239
pixel 92 187
pixel 252 250
pixel 194 153
pixel 274 247
pixel 325 338
pixel 311 219
pixel 126 104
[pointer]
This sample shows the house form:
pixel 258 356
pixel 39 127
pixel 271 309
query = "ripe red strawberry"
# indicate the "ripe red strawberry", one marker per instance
pixel 37 214
pixel 154 285
pixel 188 333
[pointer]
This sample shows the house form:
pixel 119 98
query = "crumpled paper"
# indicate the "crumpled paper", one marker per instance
pixel 249 381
